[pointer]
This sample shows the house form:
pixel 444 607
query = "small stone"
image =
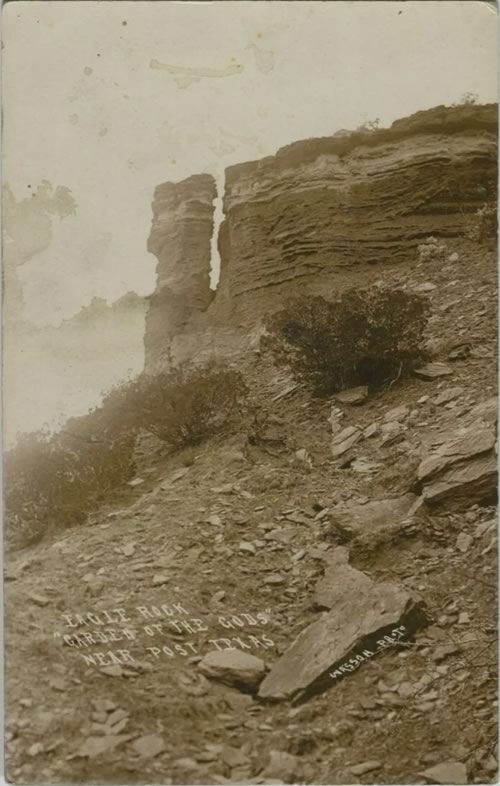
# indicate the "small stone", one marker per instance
pixel 463 618
pixel 247 547
pixel 344 440
pixel 35 749
pixel 40 600
pixel 464 541
pixel 433 371
pixel 353 396
pixel 214 520
pixel 447 395
pixel 95 746
pixel 335 416
pixel 104 705
pixel 449 772
pixel 366 766
pixel 57 683
pixel 233 757
pixel 427 286
pixel 274 578
pixel 485 526
pixel 301 458
pixel 128 550
pixel 112 671
pixel 371 430
pixel 178 474
pixel 397 414
pixel 116 716
pixel 135 482
pixel 453 257
pixel 444 651
pixel 149 746
pixel 406 689
pixel 235 668
pixel 228 488
pixel 159 579
pixel 282 765
pixel 117 728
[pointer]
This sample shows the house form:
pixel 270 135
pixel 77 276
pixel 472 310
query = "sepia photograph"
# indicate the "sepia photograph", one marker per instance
pixel 249 383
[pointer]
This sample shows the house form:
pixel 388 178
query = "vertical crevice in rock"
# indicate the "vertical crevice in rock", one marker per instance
pixel 215 260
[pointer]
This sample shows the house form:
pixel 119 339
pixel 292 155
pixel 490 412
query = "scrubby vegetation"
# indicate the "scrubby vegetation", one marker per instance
pixel 185 406
pixel 55 480
pixel 482 227
pixel 432 250
pixel 363 337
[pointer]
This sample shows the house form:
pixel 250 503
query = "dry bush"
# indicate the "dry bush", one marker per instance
pixel 432 251
pixel 364 337
pixel 53 481
pixel 482 227
pixel 185 406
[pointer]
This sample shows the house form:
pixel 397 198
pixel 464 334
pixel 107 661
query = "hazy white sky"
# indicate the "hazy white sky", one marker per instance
pixel 91 102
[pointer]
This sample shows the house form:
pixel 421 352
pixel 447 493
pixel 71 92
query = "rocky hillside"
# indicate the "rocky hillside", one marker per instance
pixel 312 598
pixel 311 601
pixel 320 214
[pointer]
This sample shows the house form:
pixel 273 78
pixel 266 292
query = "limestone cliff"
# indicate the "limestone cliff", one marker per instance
pixel 180 238
pixel 319 214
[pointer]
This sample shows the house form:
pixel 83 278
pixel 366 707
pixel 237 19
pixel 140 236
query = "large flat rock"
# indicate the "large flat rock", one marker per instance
pixel 463 470
pixel 475 440
pixel 380 515
pixel 360 612
pixel 465 484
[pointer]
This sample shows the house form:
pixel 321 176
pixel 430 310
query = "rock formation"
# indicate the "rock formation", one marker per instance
pixel 180 238
pixel 320 213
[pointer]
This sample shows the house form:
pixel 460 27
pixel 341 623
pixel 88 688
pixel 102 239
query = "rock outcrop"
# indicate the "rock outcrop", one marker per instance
pixel 320 213
pixel 463 470
pixel 361 612
pixel 180 238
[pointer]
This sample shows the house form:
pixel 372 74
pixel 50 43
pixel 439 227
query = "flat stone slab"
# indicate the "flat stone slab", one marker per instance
pixel 345 439
pixel 449 772
pixel 353 396
pixel 379 515
pixel 433 371
pixel 465 484
pixel 475 440
pixel 360 612
pixel 463 470
pixel 235 668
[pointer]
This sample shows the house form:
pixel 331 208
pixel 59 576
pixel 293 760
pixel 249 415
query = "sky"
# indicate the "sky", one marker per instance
pixel 109 99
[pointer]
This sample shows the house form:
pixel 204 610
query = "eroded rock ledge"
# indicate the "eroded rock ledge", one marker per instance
pixel 319 213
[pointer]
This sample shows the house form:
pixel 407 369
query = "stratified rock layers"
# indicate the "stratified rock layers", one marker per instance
pixel 181 235
pixel 318 214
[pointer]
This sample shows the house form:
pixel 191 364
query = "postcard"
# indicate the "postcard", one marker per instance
pixel 250 392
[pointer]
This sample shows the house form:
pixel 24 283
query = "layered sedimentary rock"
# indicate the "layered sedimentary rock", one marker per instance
pixel 318 214
pixel 181 235
pixel 335 205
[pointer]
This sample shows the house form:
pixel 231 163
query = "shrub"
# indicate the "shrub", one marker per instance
pixel 483 225
pixel 185 406
pixel 364 337
pixel 53 481
pixel 432 251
